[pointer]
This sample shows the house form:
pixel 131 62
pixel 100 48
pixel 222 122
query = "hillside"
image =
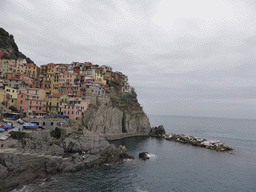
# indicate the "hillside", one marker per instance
pixel 9 48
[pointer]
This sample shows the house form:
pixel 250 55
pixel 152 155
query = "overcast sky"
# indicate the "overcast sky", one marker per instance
pixel 184 57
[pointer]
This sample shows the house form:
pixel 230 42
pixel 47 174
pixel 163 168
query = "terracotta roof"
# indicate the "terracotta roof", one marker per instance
pixel 16 79
pixel 51 64
pixel 56 95
pixel 30 65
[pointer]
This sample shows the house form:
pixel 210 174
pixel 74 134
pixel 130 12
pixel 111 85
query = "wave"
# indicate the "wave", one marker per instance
pixel 152 156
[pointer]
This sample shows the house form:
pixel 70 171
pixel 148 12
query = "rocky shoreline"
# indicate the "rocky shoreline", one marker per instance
pixel 186 139
pixel 40 154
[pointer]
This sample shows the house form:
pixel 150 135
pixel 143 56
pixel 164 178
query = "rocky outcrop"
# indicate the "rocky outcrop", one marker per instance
pixel 42 155
pixel 86 141
pixel 157 131
pixel 112 154
pixel 39 142
pixel 121 117
pixel 107 119
pixel 144 155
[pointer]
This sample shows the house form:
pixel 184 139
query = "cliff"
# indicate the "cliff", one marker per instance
pixel 8 44
pixel 121 117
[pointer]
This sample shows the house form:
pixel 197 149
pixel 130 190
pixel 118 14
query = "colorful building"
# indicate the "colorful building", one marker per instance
pixel 32 102
pixel 74 108
pixel 54 102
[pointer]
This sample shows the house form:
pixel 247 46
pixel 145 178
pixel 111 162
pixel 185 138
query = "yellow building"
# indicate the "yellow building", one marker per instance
pixel 31 71
pixel 51 79
pixel 20 66
pixel 51 68
pixel 55 101
pixel 2 95
pixel 8 65
pixel 13 94
pixel 99 77
pixel 55 83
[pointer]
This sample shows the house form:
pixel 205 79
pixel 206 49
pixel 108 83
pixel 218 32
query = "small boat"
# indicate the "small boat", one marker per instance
pixel 4 127
pixel 29 126
pixel 5 137
pixel 13 129
pixel 20 121
pixel 2 130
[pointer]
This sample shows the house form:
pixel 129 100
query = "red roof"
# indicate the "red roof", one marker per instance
pixel 56 95
pixel 16 79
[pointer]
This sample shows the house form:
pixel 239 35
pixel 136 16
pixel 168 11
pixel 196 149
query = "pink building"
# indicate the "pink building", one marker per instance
pixel 31 101
pixel 61 68
pixel 75 108
pixel 27 80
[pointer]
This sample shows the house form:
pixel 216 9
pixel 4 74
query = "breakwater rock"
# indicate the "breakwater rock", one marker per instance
pixel 195 141
pixel 157 131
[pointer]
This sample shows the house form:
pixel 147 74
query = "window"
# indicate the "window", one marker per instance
pixel 51 123
pixel 77 112
pixel 21 102
pixel 43 123
pixel 72 107
pixel 72 112
pixel 21 96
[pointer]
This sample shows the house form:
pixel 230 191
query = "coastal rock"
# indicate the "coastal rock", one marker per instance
pixel 89 142
pixel 144 155
pixel 106 119
pixel 3 171
pixel 157 131
pixel 38 142
pixel 112 154
pixel 208 144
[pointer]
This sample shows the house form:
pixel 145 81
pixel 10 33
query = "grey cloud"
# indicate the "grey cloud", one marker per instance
pixel 174 72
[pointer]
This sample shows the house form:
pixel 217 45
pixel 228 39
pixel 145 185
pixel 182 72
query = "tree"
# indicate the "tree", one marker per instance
pixel 13 108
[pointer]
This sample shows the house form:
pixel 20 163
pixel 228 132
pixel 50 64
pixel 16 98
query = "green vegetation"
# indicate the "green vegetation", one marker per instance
pixel 13 108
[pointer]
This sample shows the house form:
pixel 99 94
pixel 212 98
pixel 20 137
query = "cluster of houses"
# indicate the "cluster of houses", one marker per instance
pixel 64 89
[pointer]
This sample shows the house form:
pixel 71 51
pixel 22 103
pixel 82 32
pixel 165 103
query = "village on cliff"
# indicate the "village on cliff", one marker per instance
pixel 63 90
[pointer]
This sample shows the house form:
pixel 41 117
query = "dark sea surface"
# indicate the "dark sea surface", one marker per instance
pixel 174 166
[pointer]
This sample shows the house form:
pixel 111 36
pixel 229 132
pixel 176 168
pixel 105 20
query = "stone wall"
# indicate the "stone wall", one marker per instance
pixel 49 123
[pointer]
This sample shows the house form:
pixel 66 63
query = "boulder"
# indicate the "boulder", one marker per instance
pixel 157 131
pixel 144 155
pixel 112 154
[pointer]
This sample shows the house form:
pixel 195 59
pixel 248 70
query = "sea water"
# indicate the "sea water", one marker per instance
pixel 174 166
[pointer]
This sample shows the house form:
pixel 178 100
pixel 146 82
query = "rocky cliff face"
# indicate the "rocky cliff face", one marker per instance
pixel 7 43
pixel 123 115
